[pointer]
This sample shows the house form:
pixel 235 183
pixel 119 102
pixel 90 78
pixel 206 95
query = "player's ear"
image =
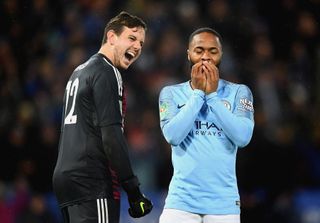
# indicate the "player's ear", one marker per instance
pixel 111 35
pixel 188 54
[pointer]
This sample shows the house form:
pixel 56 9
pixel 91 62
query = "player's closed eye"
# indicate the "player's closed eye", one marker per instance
pixel 214 51
pixel 198 51
pixel 132 38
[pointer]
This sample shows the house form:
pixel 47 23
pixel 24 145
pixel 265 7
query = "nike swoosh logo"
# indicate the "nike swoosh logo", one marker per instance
pixel 180 106
pixel 142 206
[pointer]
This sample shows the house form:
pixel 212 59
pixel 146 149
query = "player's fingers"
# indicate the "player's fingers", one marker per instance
pixel 206 72
pixel 197 65
pixel 206 67
pixel 200 72
pixel 196 69
pixel 215 72
pixel 216 69
pixel 212 69
pixel 210 66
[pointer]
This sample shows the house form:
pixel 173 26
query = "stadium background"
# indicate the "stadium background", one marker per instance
pixel 272 46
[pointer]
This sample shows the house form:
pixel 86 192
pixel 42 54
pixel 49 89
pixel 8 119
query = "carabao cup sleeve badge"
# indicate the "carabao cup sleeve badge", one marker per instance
pixel 164 109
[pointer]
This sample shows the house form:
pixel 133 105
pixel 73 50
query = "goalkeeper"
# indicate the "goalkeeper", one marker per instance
pixel 93 156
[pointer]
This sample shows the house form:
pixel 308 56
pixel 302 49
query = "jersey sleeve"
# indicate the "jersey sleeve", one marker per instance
pixel 116 148
pixel 177 123
pixel 106 98
pixel 237 125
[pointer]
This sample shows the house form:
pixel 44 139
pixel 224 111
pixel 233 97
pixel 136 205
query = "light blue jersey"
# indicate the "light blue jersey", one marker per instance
pixel 205 132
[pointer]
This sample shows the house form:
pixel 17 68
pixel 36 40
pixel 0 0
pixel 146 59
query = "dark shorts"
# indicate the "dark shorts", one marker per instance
pixel 94 211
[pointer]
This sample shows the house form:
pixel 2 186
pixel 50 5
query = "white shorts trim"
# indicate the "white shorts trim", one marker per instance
pixel 174 216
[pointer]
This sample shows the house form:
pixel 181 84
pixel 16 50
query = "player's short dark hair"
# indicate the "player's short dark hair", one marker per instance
pixel 122 19
pixel 205 30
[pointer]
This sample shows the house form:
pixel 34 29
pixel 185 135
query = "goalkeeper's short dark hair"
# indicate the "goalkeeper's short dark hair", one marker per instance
pixel 118 22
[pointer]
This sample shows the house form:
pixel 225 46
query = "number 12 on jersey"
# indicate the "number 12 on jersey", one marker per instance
pixel 71 92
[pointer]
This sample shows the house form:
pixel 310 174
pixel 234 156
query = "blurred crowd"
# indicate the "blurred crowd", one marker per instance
pixel 271 46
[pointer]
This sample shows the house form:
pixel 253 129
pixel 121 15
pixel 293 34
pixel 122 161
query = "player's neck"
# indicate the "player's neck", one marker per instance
pixel 105 50
pixel 191 85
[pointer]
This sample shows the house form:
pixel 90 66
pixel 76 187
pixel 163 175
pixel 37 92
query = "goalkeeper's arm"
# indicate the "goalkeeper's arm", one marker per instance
pixel 116 149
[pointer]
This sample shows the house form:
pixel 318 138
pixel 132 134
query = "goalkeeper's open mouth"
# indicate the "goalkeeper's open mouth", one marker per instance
pixel 130 56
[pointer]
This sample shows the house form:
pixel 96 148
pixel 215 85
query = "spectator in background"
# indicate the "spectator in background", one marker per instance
pixel 37 212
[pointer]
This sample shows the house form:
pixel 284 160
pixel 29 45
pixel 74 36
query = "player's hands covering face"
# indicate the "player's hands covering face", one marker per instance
pixel 205 76
pixel 211 73
pixel 198 78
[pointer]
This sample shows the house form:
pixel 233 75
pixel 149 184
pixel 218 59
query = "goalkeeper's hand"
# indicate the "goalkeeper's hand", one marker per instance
pixel 140 207
pixel 139 204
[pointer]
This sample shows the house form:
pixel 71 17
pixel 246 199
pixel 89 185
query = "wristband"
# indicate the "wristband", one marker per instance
pixel 131 186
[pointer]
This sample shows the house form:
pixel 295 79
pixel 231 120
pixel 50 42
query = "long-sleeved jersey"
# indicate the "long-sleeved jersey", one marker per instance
pixel 205 132
pixel 93 154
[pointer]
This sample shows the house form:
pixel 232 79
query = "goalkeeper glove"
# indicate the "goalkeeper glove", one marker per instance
pixel 139 204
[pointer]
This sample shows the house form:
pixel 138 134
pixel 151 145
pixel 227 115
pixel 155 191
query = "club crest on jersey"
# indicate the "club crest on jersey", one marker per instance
pixel 226 104
pixel 163 109
pixel 246 104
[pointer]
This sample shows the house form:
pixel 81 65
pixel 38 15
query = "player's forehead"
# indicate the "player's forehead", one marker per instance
pixel 205 40
pixel 138 32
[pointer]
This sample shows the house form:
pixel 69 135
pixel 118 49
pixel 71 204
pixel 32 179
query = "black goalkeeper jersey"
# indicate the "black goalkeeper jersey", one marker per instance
pixel 93 98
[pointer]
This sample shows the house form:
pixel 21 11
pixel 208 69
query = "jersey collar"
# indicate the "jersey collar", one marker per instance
pixel 106 58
